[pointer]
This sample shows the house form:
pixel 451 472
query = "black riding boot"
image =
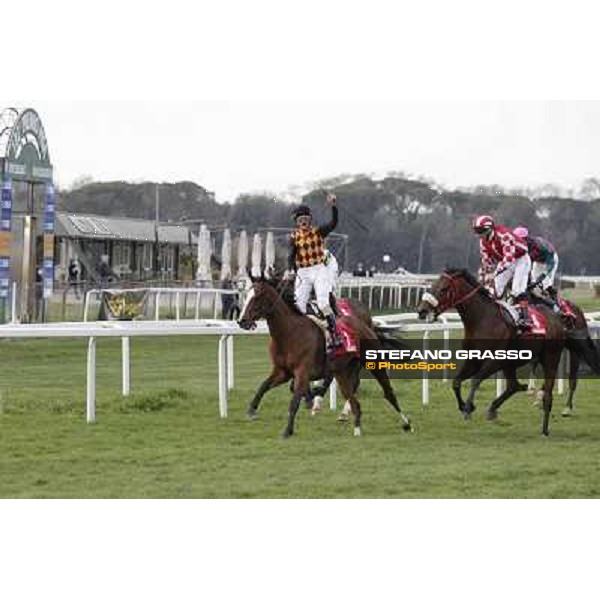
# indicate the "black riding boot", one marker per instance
pixel 333 336
pixel 523 309
pixel 553 295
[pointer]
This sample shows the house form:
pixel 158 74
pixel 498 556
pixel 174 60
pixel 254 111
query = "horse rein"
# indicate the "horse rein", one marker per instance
pixel 453 302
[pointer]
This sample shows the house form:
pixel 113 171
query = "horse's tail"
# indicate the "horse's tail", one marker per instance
pixel 585 349
pixel 390 342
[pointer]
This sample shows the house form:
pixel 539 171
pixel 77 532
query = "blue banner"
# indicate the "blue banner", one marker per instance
pixel 49 215
pixel 5 235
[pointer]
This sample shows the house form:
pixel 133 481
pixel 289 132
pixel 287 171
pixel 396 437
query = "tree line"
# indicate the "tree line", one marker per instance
pixel 418 225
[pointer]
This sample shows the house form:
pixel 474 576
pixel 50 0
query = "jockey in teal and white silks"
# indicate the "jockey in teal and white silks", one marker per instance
pixel 544 261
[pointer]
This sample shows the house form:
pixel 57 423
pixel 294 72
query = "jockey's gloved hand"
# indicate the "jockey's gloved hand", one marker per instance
pixel 289 275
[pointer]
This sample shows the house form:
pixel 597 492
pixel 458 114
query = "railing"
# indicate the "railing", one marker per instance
pixel 173 295
pixel 226 331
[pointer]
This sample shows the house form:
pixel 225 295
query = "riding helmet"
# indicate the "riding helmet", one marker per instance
pixel 483 224
pixel 301 211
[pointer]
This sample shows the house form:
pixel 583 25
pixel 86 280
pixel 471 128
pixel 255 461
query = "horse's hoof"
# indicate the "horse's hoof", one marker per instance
pixel 567 412
pixel 545 434
pixel 252 414
pixel 407 427
pixel 286 435
pixel 357 432
pixel 343 418
pixel 491 415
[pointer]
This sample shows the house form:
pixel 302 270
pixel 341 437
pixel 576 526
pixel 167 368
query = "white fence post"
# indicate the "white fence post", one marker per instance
pixel 157 307
pixel 91 381
pixel 500 384
pixel 223 376
pixel 13 303
pixel 126 370
pixel 230 371
pixel 561 373
pixel 333 395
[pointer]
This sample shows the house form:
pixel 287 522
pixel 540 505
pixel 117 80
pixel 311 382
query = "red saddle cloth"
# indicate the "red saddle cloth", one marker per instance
pixel 566 308
pixel 539 323
pixel 350 344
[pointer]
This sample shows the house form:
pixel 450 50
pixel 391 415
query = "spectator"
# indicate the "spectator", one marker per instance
pixel 228 301
pixel 73 275
pixel 104 271
pixel 39 296
pixel 359 271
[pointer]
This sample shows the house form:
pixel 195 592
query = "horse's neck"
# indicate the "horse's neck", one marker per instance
pixel 279 319
pixel 475 309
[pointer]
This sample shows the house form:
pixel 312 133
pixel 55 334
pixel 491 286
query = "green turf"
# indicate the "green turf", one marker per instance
pixel 167 439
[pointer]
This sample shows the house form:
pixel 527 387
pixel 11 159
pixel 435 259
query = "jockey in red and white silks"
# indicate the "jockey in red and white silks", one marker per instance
pixel 504 256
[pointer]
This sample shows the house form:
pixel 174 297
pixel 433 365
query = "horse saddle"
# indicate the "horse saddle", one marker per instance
pixel 349 343
pixel 539 324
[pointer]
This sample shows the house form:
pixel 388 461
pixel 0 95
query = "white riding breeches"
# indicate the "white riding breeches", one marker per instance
pixel 332 271
pixel 540 268
pixel 519 271
pixel 316 277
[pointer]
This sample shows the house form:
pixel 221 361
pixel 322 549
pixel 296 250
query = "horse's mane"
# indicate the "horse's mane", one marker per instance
pixel 469 278
pixel 286 293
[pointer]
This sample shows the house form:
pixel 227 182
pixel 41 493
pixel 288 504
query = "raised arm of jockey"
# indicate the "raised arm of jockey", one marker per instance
pixel 326 229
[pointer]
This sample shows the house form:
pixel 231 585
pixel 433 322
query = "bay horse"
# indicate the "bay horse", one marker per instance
pixel 485 320
pixel 285 287
pixel 297 351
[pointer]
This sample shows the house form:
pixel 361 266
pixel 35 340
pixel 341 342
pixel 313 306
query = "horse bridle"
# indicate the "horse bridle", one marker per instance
pixel 440 307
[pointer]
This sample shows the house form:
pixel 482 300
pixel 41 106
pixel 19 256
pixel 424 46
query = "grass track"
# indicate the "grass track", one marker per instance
pixel 167 440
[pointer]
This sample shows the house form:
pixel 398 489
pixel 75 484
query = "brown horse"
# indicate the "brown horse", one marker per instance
pixel 297 352
pixel 486 321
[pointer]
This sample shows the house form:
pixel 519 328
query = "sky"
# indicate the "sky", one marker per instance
pixel 235 146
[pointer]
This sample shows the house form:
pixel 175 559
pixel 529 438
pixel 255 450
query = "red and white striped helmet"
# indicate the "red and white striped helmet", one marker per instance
pixel 483 224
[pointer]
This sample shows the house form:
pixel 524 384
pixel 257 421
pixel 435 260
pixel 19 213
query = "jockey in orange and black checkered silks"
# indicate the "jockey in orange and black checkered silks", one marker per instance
pixel 307 258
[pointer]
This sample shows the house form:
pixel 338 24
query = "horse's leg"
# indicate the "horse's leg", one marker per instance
pixel 300 390
pixel 383 379
pixel 277 377
pixel 573 369
pixel 348 382
pixel 488 368
pixel 316 394
pixel 550 364
pixel 347 409
pixel 468 369
pixel 512 387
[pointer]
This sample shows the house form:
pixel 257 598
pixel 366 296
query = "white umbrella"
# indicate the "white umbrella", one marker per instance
pixel 269 252
pixel 226 256
pixel 242 254
pixel 256 255
pixel 204 253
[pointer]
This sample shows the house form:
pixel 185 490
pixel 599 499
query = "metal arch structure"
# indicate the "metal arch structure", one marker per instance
pixel 25 157
pixel 24 153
